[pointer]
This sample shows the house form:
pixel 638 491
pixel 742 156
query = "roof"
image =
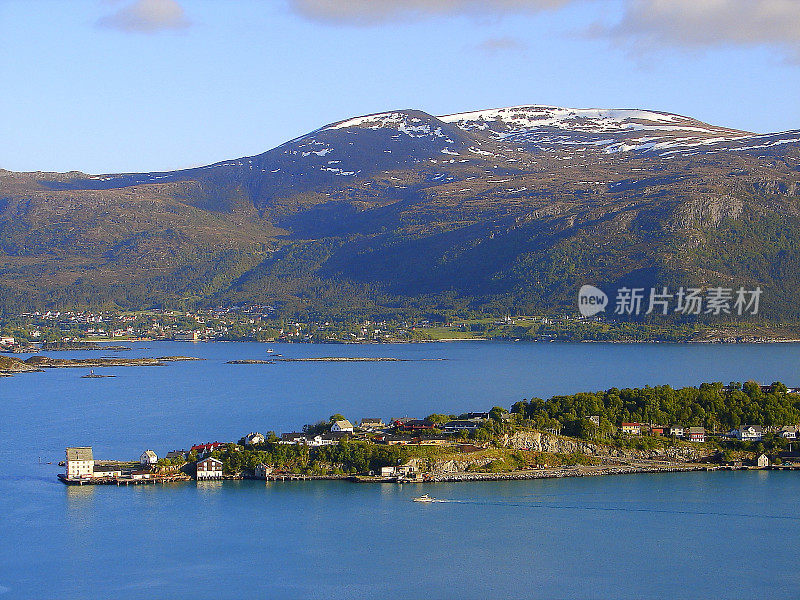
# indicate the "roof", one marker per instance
pixel 293 436
pixel 372 421
pixel 692 430
pixel 149 454
pixel 105 468
pixel 209 459
pixel 80 453
pixel 344 424
pixel 417 423
pixel 208 446
pixel 333 435
pixel 462 423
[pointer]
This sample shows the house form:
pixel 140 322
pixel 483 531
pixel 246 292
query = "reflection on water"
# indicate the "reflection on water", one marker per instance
pixel 210 486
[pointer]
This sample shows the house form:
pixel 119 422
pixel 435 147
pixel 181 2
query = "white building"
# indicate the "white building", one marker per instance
pixel 102 471
pixel 676 431
pixel 344 426
pixel 749 433
pixel 762 460
pixel 209 468
pixel 148 457
pixel 80 463
pixel 253 439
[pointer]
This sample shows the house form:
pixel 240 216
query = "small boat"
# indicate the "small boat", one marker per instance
pixel 425 498
pixel 270 350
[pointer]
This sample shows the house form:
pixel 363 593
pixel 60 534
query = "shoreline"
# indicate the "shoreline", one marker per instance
pixel 455 477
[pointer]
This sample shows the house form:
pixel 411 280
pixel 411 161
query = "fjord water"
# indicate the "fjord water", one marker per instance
pixel 637 536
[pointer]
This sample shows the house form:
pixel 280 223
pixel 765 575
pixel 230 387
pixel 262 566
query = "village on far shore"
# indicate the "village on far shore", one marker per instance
pixel 498 444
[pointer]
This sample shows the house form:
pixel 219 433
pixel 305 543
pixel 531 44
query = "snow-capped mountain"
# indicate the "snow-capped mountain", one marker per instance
pixel 513 205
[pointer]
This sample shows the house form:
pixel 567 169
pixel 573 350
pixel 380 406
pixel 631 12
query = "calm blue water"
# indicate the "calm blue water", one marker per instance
pixel 717 535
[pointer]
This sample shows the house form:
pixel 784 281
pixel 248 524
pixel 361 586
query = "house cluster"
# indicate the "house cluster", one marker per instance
pixel 745 433
pixel 692 434
pixel 400 431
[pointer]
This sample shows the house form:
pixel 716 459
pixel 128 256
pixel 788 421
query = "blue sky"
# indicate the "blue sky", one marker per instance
pixel 122 85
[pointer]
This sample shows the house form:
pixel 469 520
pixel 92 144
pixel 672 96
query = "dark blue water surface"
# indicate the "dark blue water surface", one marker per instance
pixel 720 535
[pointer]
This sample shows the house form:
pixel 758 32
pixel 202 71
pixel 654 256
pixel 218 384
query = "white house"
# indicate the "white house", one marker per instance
pixel 253 439
pixel 788 432
pixel 209 468
pixel 762 460
pixel 80 463
pixel 343 426
pixel 676 431
pixel 749 433
pixel 148 457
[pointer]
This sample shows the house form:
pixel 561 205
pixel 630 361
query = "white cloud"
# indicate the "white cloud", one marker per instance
pixel 147 16
pixel 710 23
pixel 372 11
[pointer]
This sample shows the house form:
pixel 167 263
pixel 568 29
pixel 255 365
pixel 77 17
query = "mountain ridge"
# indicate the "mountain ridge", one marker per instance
pixel 496 210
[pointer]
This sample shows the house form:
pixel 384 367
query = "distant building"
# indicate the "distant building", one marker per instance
pixel 372 424
pixel 696 434
pixel 254 439
pixel 106 471
pixel 395 440
pixel 749 433
pixel 209 468
pixel 293 438
pixel 595 419
pixel 148 457
pixel 206 449
pixel 343 426
pixel 141 475
pixel 190 336
pixel 477 415
pixel 466 425
pixel 173 454
pixel 632 428
pixel 676 431
pixel 415 425
pixel 80 463
pixel 657 430
pixel 762 460
pixel 788 432
pixel 263 470
pixel 7 341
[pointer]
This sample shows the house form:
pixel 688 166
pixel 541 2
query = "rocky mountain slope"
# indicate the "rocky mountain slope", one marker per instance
pixel 496 210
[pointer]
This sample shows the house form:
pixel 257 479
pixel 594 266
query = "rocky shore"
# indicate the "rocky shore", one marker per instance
pixel 10 365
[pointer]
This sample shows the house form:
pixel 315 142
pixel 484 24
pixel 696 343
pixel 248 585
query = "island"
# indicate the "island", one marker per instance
pixel 616 431
pixel 11 365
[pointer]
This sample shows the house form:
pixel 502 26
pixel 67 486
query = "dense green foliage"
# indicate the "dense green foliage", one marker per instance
pixel 712 405
pixel 345 457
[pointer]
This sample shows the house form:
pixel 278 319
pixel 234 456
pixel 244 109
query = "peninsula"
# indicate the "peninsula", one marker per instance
pixel 658 429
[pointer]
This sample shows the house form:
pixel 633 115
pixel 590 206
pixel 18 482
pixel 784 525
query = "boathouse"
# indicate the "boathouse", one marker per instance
pixel 209 468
